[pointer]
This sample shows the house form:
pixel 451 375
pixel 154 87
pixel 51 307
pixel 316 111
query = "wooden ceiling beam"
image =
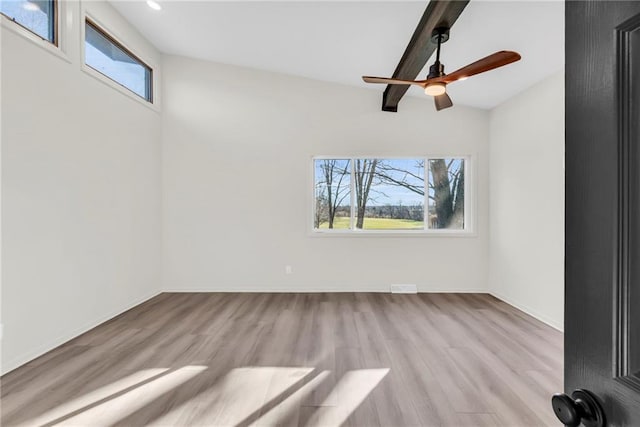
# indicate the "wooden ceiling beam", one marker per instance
pixel 439 13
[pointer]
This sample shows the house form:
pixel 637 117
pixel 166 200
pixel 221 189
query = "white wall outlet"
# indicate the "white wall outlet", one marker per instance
pixel 404 289
pixel 288 269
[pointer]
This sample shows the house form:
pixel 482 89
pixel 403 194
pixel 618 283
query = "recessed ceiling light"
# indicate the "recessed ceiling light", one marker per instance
pixel 31 7
pixel 153 5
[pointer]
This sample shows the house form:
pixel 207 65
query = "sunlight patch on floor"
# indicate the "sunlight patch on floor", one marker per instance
pixel 284 408
pixel 110 403
pixel 241 394
pixel 252 395
pixel 353 388
pixel 94 396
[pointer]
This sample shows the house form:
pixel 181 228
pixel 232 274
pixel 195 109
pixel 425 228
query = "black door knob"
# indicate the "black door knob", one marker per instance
pixel 581 407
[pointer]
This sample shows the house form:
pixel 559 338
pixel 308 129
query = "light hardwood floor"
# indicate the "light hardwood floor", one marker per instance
pixel 297 359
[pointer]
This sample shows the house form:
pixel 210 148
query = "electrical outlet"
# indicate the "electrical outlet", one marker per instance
pixel 404 289
pixel 288 269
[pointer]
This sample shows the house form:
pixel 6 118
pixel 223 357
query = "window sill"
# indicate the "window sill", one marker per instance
pixel 394 233
pixel 119 88
pixel 33 38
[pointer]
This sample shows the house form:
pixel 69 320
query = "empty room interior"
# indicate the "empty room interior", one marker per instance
pixel 282 213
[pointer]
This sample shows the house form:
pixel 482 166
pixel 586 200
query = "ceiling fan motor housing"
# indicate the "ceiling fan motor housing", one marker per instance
pixel 436 70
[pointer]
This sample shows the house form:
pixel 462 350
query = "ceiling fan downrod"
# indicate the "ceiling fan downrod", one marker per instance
pixel 438 36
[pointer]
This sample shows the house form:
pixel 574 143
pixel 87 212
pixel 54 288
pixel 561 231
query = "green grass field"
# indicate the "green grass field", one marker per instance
pixel 342 223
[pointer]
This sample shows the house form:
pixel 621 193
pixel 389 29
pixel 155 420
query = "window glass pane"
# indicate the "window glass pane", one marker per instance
pixel 389 194
pixel 446 193
pixel 332 194
pixel 109 58
pixel 37 16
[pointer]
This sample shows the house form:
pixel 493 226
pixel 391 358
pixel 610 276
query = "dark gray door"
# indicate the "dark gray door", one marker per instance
pixel 602 306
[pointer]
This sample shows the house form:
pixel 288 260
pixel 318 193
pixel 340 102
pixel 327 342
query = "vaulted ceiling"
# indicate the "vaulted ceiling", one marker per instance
pixel 341 41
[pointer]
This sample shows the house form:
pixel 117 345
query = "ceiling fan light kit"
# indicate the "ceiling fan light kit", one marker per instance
pixel 436 82
pixel 435 89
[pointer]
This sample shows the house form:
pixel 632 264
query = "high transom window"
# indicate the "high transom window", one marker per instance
pixel 37 16
pixel 110 58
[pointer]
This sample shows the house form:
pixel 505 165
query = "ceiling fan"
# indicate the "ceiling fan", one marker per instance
pixel 436 83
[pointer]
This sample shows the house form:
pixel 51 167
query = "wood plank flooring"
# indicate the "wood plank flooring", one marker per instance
pixel 340 359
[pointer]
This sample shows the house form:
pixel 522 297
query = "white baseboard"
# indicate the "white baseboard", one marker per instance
pixel 531 312
pixel 16 362
pixel 270 290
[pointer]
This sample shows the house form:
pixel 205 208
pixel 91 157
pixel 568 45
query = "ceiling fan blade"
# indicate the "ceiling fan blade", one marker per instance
pixel 442 101
pixel 390 81
pixel 491 62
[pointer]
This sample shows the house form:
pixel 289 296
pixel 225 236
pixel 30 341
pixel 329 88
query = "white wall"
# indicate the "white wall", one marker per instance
pixel 81 192
pixel 527 201
pixel 95 219
pixel 237 149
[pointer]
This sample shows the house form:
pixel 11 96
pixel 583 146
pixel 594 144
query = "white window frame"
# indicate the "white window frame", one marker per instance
pixel 63 31
pixel 154 104
pixel 469 195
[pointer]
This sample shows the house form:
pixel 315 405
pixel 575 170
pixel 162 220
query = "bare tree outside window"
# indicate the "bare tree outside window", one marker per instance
pixel 390 194
pixel 332 193
pixel 364 171
pixel 446 193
